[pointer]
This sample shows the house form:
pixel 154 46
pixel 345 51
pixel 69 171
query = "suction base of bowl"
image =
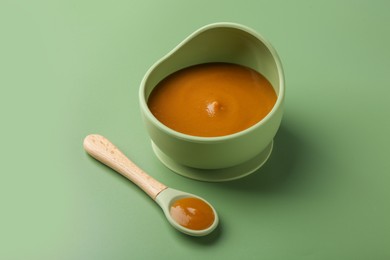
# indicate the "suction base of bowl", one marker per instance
pixel 217 175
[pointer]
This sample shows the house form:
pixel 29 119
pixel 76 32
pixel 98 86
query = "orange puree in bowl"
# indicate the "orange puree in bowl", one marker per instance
pixel 212 99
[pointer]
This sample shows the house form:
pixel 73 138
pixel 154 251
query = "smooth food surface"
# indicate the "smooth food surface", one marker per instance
pixel 192 213
pixel 212 99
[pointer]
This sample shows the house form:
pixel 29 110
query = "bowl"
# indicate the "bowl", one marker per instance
pixel 224 157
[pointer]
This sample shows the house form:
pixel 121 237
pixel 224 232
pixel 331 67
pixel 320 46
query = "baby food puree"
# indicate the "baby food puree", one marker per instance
pixel 192 213
pixel 212 99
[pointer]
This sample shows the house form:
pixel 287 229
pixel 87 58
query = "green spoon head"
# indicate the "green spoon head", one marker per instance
pixel 165 200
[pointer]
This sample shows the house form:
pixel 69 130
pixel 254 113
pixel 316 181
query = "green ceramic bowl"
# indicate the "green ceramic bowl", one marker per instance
pixel 226 157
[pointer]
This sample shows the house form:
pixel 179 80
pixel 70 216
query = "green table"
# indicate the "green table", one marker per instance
pixel 71 68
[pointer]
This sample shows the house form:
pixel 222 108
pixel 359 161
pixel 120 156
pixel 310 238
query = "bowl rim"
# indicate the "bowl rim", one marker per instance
pixel 279 101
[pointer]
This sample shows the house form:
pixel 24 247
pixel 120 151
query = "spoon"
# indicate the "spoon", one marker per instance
pixel 186 212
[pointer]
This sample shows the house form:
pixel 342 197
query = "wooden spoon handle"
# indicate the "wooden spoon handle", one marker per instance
pixel 104 151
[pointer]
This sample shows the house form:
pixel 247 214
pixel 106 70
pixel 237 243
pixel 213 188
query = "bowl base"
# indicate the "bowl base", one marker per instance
pixel 215 175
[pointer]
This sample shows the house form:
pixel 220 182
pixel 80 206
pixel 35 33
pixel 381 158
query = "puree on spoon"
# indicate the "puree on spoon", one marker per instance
pixel 192 213
pixel 212 99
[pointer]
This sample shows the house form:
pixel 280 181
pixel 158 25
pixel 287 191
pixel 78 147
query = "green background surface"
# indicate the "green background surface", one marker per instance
pixel 71 68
